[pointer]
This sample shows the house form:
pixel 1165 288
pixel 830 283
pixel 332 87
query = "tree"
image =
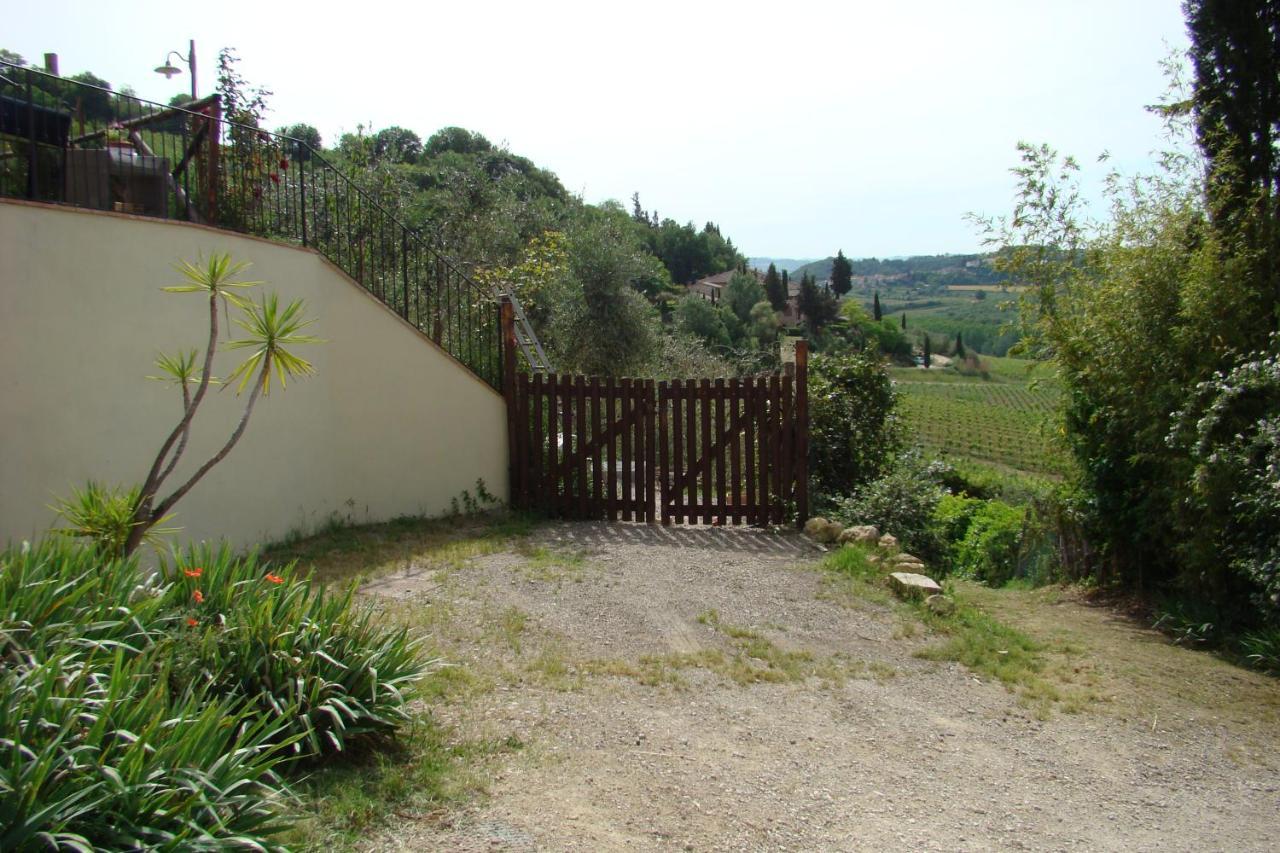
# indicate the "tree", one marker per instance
pixel 928 354
pixel 458 140
pixel 904 321
pixel 763 325
pixel 875 308
pixel 853 432
pixel 775 289
pixel 599 323
pixel 960 345
pixel 697 317
pixel 397 145
pixel 1235 52
pixel 742 294
pixel 268 332
pixel 841 274
pixel 818 307
pixel 306 134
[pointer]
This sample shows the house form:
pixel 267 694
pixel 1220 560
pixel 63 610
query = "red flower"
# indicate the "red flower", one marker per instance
pixel 199 597
pixel 274 578
pixel 275 179
pixel 284 164
pixel 192 622
pixel 193 573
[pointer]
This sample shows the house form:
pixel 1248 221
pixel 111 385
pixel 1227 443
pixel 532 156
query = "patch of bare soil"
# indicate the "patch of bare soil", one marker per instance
pixel 709 689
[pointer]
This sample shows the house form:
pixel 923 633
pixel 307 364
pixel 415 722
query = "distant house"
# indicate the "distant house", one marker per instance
pixel 712 289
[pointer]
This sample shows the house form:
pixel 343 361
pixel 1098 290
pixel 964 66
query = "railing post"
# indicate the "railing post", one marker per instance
pixel 302 194
pixel 33 182
pixel 801 467
pixel 509 394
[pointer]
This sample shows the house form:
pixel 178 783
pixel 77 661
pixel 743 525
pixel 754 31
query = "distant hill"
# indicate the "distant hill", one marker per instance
pixel 918 272
pixel 788 264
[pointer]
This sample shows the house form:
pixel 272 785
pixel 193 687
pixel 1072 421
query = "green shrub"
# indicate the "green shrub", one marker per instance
pixel 902 502
pixel 952 517
pixel 853 430
pixel 317 663
pixel 991 543
pixel 154 712
pixel 97 753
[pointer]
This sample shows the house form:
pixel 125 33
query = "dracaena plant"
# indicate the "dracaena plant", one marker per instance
pixel 270 331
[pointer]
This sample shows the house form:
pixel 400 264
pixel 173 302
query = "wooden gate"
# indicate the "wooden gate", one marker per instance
pixel 695 451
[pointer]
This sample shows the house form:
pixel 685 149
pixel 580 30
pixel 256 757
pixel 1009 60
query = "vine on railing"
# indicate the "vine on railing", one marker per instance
pixel 68 142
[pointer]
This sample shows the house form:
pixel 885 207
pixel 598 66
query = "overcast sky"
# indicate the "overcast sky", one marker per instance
pixel 800 128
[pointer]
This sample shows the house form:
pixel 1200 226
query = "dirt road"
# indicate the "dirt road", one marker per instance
pixel 711 689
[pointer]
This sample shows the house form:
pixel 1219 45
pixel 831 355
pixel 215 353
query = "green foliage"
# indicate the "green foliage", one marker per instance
pixel 104 516
pixel 102 743
pixel 743 293
pixel 903 502
pixel 599 324
pixel 853 428
pixel 989 549
pixel 318 665
pixel 841 274
pixel 763 325
pixel 154 712
pixel 817 306
pixel 702 320
pixel 1231 427
pixel 776 289
pixel 883 335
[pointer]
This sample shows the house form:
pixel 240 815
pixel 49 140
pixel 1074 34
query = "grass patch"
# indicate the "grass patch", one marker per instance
pixel 343 553
pixel 549 564
pixel 425 773
pixel 1044 675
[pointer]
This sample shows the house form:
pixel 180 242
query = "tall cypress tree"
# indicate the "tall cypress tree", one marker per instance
pixel 841 274
pixel 875 308
pixel 959 345
pixel 1235 50
pixel 904 321
pixel 928 355
pixel 775 289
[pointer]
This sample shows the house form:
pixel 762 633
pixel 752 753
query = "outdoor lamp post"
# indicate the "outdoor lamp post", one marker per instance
pixel 168 69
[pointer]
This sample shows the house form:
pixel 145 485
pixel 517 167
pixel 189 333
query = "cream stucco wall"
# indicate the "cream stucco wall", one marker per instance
pixel 388 426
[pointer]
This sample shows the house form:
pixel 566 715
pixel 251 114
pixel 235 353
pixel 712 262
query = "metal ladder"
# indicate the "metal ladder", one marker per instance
pixel 526 340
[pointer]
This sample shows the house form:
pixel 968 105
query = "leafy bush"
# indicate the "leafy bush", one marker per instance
pixel 853 429
pixel 315 662
pixel 902 502
pixel 97 753
pixel 141 713
pixel 989 549
pixel 952 516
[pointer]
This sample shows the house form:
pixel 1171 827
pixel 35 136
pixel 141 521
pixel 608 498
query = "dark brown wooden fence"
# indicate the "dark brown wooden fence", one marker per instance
pixel 695 451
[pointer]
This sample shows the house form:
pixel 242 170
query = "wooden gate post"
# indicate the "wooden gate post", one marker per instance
pixel 508 319
pixel 802 433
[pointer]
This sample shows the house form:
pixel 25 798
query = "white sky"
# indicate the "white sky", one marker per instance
pixel 799 127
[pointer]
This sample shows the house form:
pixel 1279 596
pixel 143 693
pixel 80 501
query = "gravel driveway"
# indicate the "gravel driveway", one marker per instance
pixel 649 726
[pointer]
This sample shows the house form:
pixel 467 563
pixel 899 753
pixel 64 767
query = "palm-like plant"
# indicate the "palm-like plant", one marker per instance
pixel 271 330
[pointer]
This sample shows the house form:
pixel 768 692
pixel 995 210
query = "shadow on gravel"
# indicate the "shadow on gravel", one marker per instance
pixel 743 539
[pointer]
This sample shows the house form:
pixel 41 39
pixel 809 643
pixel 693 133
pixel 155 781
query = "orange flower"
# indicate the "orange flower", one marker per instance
pixel 274 578
pixel 192 622
pixel 193 573
pixel 199 597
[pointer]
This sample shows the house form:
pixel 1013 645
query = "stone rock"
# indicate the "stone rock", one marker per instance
pixel 864 533
pixel 814 525
pixel 904 559
pixel 940 604
pixel 889 541
pixel 821 530
pixel 873 559
pixel 912 585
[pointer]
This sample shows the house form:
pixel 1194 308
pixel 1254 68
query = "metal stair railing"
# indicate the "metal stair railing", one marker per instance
pixel 64 142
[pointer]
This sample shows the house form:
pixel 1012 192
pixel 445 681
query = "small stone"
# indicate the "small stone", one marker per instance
pixel 911 585
pixel 889 542
pixel 832 533
pixel 940 605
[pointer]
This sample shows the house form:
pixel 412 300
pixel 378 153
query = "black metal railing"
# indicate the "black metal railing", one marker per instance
pixel 66 142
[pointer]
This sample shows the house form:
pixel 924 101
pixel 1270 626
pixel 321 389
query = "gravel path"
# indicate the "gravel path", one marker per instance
pixel 865 747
